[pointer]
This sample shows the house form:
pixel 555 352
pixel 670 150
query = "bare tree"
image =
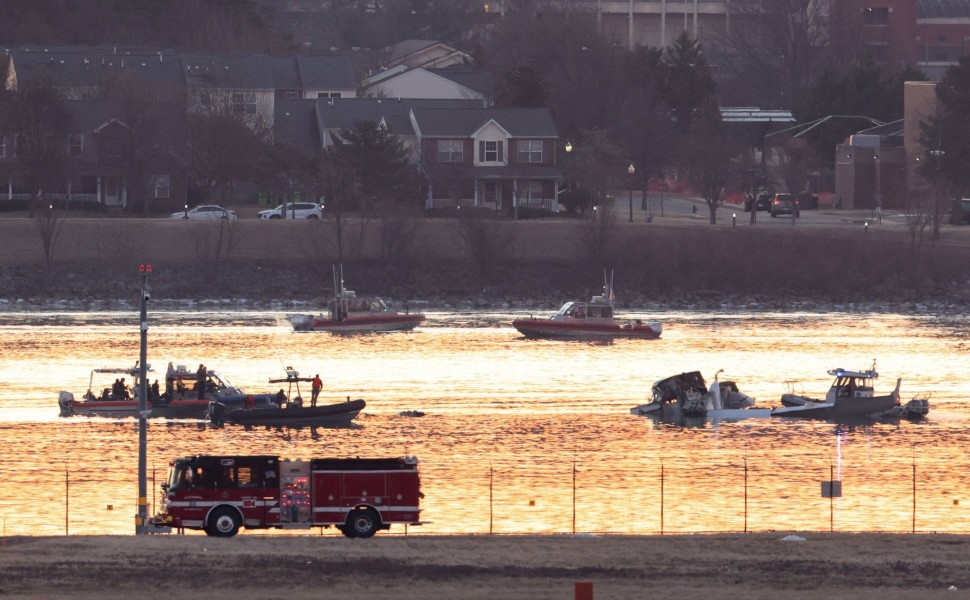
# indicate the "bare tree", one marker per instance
pixel 706 155
pixel 487 240
pixel 215 242
pixel 48 232
pixel 597 235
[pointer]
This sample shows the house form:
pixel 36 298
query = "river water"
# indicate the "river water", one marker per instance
pixel 519 436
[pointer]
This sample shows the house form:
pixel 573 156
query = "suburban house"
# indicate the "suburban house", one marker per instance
pixel 245 85
pixel 455 83
pixel 497 158
pixel 423 53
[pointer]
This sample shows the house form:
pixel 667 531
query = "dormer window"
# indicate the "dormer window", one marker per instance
pixel 490 152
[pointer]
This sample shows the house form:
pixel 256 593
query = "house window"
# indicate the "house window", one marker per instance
pixel 293 95
pixel 163 187
pixel 74 145
pixel 451 151
pixel 243 104
pixel 112 148
pixel 530 151
pixel 3 146
pixel 328 94
pixel 491 152
pixel 205 99
pixel 875 16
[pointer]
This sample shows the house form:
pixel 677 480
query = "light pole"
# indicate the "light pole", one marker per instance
pixel 631 170
pixel 878 192
pixel 141 525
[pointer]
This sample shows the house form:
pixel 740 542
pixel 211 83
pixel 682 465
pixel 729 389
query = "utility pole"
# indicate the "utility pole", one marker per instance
pixel 141 521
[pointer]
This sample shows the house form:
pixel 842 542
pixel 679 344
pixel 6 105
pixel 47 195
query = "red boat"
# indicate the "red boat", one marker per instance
pixel 347 313
pixel 588 320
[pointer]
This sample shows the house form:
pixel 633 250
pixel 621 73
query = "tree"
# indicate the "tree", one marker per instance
pixel 154 120
pixel 706 155
pixel 954 127
pixel 222 150
pixel 687 85
pixel 378 160
pixel 40 122
pixel 599 163
pixel 286 170
pixel 521 86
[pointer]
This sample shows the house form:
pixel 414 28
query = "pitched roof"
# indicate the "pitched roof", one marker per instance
pixel 480 81
pixel 335 72
pixel 463 122
pixel 295 123
pixel 340 113
pixel 89 66
pixel 943 9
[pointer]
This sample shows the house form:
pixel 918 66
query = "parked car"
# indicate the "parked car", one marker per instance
pixel 783 204
pixel 206 211
pixel 294 210
pixel 761 200
pixel 960 215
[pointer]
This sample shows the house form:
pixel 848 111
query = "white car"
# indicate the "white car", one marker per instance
pixel 294 210
pixel 206 211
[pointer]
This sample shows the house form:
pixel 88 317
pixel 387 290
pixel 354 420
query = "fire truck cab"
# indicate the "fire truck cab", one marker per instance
pixel 358 496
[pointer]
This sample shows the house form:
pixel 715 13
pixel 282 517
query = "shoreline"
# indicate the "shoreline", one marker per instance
pixel 813 566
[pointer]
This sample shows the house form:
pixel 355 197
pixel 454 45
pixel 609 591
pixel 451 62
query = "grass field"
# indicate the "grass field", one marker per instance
pixel 701 567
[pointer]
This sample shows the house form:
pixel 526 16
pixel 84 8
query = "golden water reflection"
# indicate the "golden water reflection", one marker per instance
pixel 511 424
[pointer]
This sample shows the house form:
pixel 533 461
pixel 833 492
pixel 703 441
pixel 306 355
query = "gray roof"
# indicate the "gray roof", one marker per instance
pixel 943 9
pixel 86 65
pixel 519 122
pixel 295 123
pixel 89 66
pixel 480 81
pixel 406 47
pixel 340 113
pixel 893 129
pixel 335 72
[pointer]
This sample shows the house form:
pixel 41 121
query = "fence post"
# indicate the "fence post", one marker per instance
pixel 491 514
pixel 661 496
pixel 746 489
pixel 583 590
pixel 914 489
pixel 832 495
pixel 67 501
pixel 574 497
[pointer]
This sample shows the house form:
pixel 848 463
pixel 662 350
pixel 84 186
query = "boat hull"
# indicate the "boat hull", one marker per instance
pixel 552 329
pixel 848 408
pixel 352 324
pixel 292 416
pixel 177 409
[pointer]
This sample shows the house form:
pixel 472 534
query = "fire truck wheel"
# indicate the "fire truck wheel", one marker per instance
pixel 363 523
pixel 223 522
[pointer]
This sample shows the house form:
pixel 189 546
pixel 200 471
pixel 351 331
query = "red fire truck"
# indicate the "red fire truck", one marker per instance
pixel 358 496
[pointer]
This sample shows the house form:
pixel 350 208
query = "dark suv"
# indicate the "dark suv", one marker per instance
pixel 960 215
pixel 783 204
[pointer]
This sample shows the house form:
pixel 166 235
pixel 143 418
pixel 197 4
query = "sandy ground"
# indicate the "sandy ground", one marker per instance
pixel 701 567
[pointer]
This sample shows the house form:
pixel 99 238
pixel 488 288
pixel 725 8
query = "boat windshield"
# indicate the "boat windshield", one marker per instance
pixel 566 309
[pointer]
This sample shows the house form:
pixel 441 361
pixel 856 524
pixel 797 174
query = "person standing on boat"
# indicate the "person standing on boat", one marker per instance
pixel 200 378
pixel 317 386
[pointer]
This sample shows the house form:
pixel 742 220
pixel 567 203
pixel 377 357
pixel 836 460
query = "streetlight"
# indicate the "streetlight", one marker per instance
pixel 631 170
pixel 186 212
pixel 878 191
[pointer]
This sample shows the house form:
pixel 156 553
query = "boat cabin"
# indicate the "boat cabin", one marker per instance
pixel 851 384
pixel 347 304
pixel 585 311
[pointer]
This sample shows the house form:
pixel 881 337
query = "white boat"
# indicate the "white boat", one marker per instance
pixel 686 399
pixel 178 398
pixel 851 397
pixel 348 313
pixel 588 320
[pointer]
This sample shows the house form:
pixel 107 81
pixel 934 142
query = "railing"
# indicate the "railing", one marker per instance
pixel 537 496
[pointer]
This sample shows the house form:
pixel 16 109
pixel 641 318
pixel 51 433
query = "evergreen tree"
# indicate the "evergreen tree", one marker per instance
pixel 687 84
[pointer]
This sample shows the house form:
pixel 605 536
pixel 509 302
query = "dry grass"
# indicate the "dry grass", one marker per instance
pixel 753 566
